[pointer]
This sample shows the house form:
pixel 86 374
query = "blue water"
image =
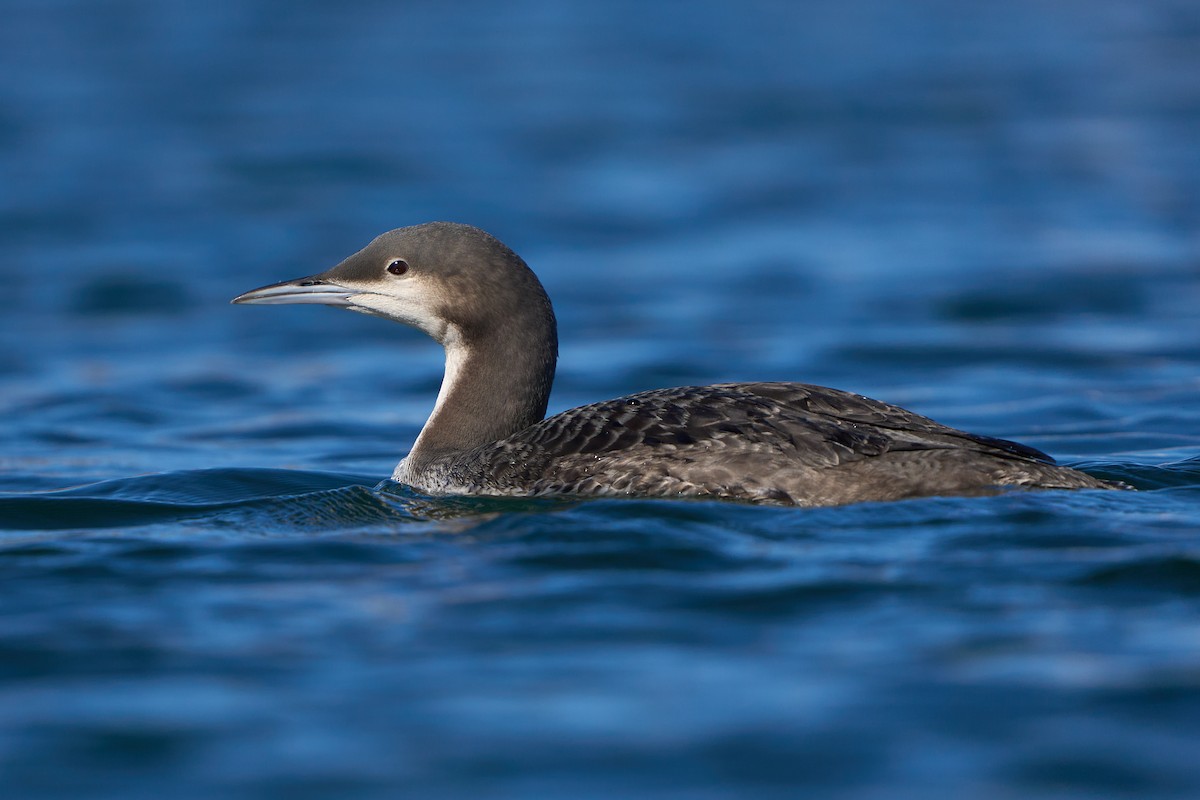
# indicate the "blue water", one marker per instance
pixel 988 216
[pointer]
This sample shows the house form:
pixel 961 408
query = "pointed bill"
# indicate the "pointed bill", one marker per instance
pixel 301 290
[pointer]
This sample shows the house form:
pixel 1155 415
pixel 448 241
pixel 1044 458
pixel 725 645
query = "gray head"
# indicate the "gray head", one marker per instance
pixel 474 296
pixel 447 279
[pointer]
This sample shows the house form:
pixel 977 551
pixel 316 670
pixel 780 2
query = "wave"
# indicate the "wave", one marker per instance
pixel 184 495
pixel 310 499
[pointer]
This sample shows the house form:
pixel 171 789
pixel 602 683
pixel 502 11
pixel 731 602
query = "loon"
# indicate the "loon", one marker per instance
pixel 771 443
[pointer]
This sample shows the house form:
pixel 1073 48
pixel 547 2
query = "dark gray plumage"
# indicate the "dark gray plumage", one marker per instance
pixel 782 443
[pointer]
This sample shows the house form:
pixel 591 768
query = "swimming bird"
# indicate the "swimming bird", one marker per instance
pixel 774 443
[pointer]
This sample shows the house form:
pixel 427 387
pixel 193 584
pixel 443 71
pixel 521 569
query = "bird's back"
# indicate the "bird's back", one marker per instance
pixel 783 443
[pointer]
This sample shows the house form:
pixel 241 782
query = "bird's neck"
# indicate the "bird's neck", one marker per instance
pixel 495 384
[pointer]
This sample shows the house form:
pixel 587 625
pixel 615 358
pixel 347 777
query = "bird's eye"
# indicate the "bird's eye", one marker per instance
pixel 398 267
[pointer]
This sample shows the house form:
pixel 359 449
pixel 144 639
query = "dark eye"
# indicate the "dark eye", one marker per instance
pixel 398 267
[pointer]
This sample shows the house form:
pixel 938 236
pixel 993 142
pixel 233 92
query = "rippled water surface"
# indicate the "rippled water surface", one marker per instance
pixel 988 216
